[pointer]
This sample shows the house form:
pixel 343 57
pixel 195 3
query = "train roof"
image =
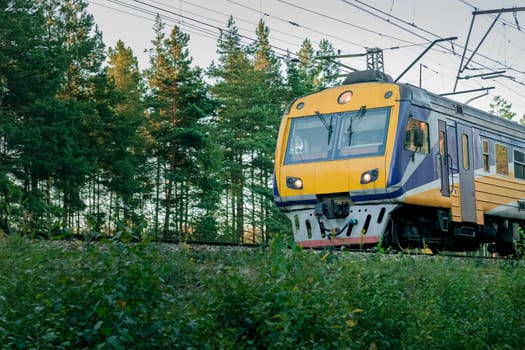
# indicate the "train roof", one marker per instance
pixel 460 111
pixel 365 76
pixel 444 105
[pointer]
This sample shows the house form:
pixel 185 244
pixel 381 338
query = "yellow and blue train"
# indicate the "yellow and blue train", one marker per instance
pixel 375 161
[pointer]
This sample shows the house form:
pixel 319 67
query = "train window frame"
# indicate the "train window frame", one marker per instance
pixel 371 140
pixel 336 149
pixel 417 137
pixel 502 159
pixel 465 151
pixel 486 155
pixel 519 164
pixel 442 138
pixel 304 144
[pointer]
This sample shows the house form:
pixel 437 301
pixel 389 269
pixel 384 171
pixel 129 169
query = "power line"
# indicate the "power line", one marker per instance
pixel 349 24
pixel 119 10
pixel 240 19
pixel 198 22
pixel 295 24
pixel 151 14
pixel 418 35
pixel 216 20
pixel 212 31
pixel 433 34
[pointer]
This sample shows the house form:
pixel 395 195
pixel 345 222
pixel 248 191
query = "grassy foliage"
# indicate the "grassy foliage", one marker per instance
pixel 119 296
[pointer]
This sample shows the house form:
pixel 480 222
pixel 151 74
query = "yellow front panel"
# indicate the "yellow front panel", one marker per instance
pixel 333 177
pixel 343 175
pixel 370 95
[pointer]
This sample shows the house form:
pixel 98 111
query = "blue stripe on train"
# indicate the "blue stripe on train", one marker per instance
pixel 376 196
pixel 285 203
pixel 355 198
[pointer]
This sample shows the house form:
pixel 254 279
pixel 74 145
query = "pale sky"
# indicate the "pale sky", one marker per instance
pixel 402 28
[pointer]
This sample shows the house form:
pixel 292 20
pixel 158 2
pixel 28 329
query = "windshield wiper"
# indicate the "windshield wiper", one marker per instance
pixel 360 114
pixel 326 125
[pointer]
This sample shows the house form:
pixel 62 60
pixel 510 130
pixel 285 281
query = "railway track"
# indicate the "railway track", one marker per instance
pixel 173 246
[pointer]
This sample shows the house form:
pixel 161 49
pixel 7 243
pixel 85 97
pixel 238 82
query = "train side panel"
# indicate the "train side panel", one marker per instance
pixel 438 173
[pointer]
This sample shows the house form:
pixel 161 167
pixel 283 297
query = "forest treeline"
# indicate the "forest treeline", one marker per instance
pixel 90 144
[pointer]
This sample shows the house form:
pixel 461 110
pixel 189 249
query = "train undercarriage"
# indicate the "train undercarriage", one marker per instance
pixel 430 228
pixel 335 220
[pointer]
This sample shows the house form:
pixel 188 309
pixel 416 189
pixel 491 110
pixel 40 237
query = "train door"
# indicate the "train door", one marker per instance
pixel 443 157
pixel 466 173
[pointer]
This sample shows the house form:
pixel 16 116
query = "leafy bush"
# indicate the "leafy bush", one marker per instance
pixel 86 298
pixel 137 296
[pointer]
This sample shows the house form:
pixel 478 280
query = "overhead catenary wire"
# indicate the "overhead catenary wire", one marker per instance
pixel 413 25
pixel 294 23
pixel 346 23
pixel 210 29
pixel 411 44
pixel 140 11
pixel 212 33
pixel 349 24
pixel 405 27
pixel 328 17
pixel 239 19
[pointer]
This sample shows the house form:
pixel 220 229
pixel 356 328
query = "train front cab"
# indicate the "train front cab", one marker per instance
pixel 333 164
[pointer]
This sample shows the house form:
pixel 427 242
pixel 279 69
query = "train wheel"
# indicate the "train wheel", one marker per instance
pixel 437 245
pixel 402 245
pixel 404 242
pixel 438 248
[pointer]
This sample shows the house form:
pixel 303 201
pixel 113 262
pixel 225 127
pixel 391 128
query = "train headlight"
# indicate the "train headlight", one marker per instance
pixel 345 97
pixel 369 176
pixel 294 183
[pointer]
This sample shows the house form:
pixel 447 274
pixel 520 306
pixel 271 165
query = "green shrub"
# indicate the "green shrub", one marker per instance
pixel 85 298
pixel 134 296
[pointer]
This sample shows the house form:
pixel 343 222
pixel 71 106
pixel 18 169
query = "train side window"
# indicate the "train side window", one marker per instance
pixel 502 162
pixel 442 144
pixel 416 136
pixel 519 165
pixel 465 151
pixel 486 163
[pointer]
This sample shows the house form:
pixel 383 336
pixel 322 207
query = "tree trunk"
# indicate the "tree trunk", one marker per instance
pixel 157 200
pixel 167 207
pixel 240 200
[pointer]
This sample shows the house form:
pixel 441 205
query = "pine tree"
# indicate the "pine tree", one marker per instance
pixel 25 77
pixel 178 102
pixel 251 94
pixel 270 95
pixel 84 53
pixel 235 79
pixel 327 71
pixel 501 107
pixel 306 74
pixel 115 137
pixel 52 46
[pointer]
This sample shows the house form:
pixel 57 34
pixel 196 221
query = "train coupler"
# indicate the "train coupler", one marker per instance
pixel 336 231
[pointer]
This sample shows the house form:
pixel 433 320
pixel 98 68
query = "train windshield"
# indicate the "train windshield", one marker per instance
pixel 337 136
